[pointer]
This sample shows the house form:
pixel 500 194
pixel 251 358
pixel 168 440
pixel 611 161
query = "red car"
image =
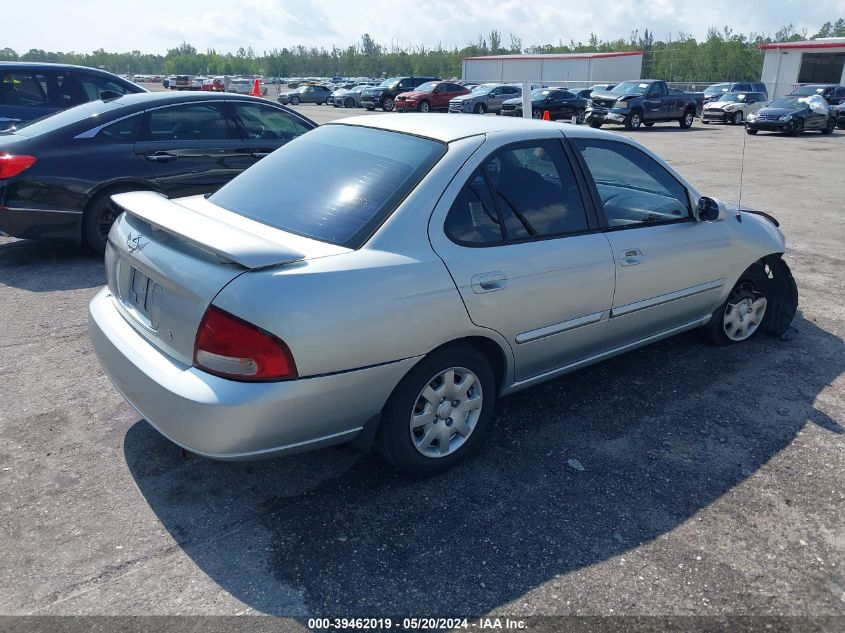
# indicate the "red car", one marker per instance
pixel 213 85
pixel 432 95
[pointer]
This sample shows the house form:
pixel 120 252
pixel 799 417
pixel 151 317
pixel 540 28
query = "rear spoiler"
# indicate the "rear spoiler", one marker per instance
pixel 227 241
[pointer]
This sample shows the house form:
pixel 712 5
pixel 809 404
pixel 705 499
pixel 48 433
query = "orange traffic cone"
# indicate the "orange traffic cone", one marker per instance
pixel 256 89
pixel 546 116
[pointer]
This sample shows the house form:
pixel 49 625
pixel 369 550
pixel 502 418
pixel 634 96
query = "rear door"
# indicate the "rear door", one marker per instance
pixel 670 268
pixel 26 95
pixel 265 128
pixel 522 247
pixel 192 148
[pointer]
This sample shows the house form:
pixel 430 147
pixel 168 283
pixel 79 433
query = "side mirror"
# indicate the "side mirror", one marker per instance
pixel 710 210
pixel 106 95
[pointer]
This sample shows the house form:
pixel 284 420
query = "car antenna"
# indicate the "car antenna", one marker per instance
pixel 741 173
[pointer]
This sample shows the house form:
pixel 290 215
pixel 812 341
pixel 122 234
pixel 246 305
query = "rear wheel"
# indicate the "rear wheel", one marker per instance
pixel 579 117
pixel 686 120
pixel 99 216
pixel 737 118
pixel 439 413
pixel 831 125
pixel 741 315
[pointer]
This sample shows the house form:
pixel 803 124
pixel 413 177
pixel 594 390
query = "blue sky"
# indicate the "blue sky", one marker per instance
pixel 156 25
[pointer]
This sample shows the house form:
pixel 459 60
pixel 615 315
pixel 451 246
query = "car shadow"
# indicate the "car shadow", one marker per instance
pixel 45 266
pixel 575 471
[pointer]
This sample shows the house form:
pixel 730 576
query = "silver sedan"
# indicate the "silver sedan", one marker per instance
pixel 385 279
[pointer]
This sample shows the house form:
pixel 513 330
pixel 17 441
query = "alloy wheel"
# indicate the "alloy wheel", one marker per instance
pixel 446 412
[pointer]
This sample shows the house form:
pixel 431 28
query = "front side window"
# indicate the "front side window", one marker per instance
pixel 266 123
pixel 94 86
pixel 336 184
pixel 634 188
pixel 190 122
pixel 531 193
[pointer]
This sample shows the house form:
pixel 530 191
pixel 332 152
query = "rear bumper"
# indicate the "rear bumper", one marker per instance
pixel 225 419
pixel 41 224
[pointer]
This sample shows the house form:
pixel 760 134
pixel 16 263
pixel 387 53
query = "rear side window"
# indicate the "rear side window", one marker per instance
pixel 190 122
pixel 523 192
pixel 336 184
pixel 121 131
pixel 22 89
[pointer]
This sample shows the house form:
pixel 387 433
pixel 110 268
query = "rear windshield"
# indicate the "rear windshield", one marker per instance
pixel 716 89
pixel 91 110
pixel 808 90
pixel 336 184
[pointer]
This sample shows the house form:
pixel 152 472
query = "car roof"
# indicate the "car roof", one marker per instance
pixel 453 127
pixel 51 66
pixel 144 99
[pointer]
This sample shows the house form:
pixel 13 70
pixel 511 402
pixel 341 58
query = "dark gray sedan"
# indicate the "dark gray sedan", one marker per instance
pixel 306 94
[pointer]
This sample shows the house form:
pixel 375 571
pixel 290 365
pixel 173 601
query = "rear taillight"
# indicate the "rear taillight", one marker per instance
pixel 11 165
pixel 232 348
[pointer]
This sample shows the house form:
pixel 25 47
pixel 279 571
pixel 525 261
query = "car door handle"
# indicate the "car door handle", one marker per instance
pixel 161 157
pixel 631 257
pixel 258 154
pixel 488 282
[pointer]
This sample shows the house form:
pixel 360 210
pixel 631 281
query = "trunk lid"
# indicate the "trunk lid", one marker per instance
pixel 167 260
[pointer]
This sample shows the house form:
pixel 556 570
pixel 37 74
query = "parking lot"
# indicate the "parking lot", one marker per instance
pixel 678 479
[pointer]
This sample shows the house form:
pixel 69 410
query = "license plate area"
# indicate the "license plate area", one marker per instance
pixel 143 298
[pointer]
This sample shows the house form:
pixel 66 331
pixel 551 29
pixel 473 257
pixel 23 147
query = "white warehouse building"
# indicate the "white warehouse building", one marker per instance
pixel 786 64
pixel 572 69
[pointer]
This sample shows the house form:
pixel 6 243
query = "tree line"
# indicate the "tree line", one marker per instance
pixel 721 56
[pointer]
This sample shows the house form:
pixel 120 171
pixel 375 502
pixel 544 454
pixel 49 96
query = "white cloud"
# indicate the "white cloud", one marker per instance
pixel 155 25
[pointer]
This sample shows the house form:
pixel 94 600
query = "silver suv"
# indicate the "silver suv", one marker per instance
pixel 484 98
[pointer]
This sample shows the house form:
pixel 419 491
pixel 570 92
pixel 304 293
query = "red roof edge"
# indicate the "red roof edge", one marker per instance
pixel 553 56
pixel 776 45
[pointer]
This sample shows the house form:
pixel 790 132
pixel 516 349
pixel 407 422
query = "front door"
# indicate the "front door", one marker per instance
pixel 192 148
pixel 670 268
pixel 523 250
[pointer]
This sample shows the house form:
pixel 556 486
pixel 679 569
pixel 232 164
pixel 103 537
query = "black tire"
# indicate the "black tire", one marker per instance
pixel 388 105
pixel 595 124
pixel 797 127
pixel 737 118
pixel 370 109
pixel 349 102
pixel 479 108
pixel 633 120
pixel 686 120
pixel 100 214
pixel 394 441
pixel 648 123
pixel 748 130
pixel 579 117
pixel 828 129
pixel 705 122
pixel 424 106
pixel 753 282
pixel 294 100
